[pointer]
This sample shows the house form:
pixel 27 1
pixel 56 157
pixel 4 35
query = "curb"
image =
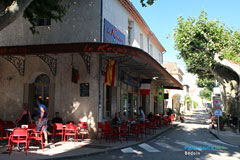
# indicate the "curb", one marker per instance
pixel 215 135
pixel 117 148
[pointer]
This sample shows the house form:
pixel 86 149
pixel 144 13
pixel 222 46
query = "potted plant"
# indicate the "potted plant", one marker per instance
pixel 222 120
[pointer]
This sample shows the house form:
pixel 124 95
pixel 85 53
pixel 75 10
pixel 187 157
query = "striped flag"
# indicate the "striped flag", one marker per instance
pixel 145 86
pixel 110 73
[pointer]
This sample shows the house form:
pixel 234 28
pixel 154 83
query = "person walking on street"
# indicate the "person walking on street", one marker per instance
pixel 42 119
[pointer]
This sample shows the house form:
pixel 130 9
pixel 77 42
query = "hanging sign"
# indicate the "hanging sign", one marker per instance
pixel 133 81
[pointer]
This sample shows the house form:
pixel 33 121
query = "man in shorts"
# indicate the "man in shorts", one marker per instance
pixel 42 119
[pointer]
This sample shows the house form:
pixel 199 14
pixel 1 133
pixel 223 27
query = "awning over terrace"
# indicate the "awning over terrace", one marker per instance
pixel 135 60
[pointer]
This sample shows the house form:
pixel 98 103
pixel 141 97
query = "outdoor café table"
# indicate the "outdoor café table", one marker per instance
pixel 11 130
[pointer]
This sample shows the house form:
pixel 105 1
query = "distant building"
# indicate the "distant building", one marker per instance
pixel 176 97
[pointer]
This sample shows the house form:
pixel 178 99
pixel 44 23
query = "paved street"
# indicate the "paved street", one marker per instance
pixel 190 140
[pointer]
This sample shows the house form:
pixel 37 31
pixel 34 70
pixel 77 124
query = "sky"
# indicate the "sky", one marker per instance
pixel 161 18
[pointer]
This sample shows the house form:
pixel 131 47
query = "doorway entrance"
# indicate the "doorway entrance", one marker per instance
pixel 41 89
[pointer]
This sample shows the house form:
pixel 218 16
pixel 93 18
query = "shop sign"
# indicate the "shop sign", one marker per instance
pixel 133 81
pixel 112 34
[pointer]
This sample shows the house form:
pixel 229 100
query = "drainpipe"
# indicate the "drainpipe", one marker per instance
pixel 148 45
pixel 100 87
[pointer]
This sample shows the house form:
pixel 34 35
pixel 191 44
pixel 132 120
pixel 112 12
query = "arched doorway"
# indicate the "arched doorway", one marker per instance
pixel 176 101
pixel 41 89
pixel 40 86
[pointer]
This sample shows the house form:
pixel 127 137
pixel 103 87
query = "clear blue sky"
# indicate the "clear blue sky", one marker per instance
pixel 162 18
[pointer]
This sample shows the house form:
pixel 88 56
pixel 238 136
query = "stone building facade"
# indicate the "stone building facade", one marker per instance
pixel 47 75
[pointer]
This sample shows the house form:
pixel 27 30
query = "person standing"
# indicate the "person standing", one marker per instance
pixel 25 116
pixel 42 118
pixel 142 115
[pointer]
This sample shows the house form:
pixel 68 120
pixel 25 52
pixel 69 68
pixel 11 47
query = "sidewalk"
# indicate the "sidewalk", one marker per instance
pixel 227 136
pixel 63 150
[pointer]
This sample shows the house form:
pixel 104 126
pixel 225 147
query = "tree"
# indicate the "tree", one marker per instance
pixel 147 2
pixel 206 83
pixel 10 11
pixel 210 49
pixel 32 10
pixel 206 94
pixel 52 9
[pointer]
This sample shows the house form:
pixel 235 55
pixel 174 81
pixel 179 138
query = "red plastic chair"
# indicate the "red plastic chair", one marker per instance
pixel 106 133
pixel 32 125
pixel 19 135
pixel 151 126
pixel 72 122
pixel 82 129
pixel 171 118
pixel 2 127
pixel 134 129
pixel 107 122
pixel 133 119
pixel 159 122
pixel 57 130
pixel 1 131
pixel 36 136
pixel 123 131
pixel 166 121
pixel 143 129
pixel 99 129
pixel 10 124
pixel 70 130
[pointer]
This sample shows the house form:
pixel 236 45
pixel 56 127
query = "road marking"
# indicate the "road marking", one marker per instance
pixel 188 145
pixel 148 147
pixel 218 141
pixel 168 146
pixel 204 143
pixel 130 150
pixel 127 150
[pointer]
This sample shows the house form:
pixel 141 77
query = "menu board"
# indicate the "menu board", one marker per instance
pixel 84 89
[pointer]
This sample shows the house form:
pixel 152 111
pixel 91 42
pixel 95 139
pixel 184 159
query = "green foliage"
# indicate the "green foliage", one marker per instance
pixel 206 94
pixel 187 98
pixel 200 39
pixel 53 9
pixel 222 119
pixel 233 51
pixel 195 104
pixel 148 2
pixel 206 83
pixel 39 9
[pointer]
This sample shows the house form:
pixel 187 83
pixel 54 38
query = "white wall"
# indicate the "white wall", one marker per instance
pixel 118 16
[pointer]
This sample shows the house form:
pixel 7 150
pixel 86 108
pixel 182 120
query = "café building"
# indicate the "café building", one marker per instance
pixel 68 62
